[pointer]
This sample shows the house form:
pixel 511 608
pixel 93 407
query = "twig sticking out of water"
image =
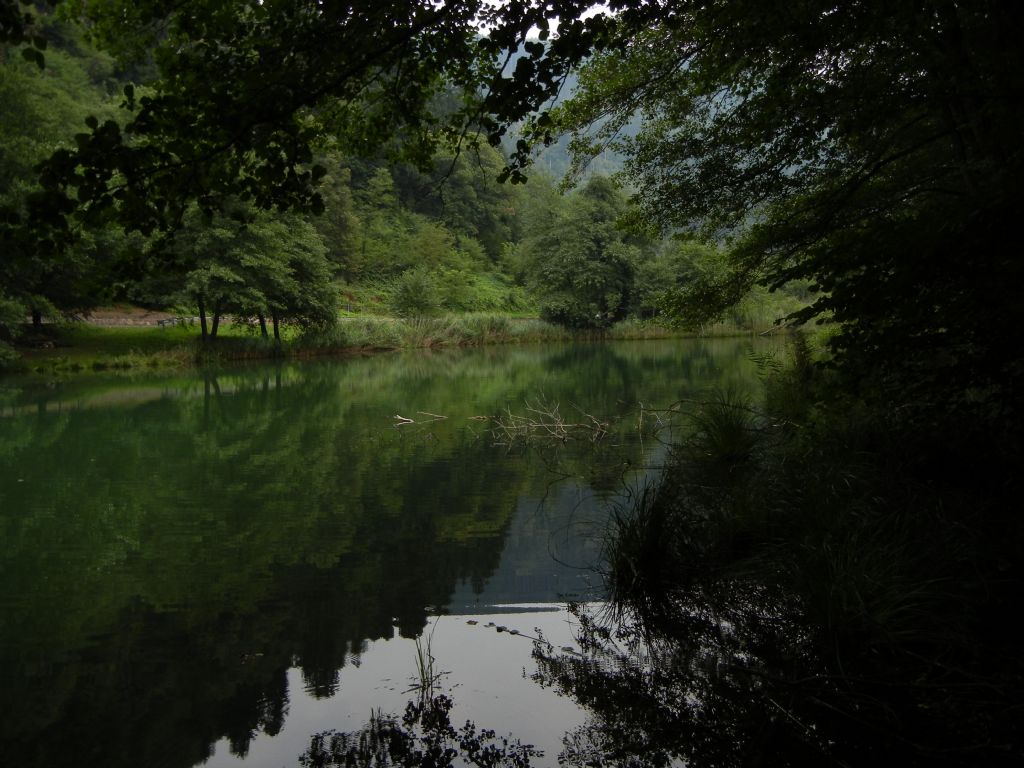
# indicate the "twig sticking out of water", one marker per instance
pixel 544 420
pixel 401 421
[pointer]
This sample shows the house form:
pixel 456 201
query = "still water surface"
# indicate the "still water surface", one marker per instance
pixel 215 567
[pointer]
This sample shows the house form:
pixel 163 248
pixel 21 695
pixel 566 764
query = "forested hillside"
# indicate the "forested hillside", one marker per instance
pixel 386 237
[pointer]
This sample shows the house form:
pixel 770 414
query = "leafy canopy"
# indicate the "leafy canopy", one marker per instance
pixel 870 148
pixel 246 91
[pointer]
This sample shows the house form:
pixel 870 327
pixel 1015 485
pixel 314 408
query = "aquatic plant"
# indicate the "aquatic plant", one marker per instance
pixel 427 678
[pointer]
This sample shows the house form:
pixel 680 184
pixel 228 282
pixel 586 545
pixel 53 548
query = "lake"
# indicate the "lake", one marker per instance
pixel 219 565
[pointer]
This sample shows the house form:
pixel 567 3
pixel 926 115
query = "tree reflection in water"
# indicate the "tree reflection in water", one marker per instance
pixel 709 691
pixel 721 645
pixel 172 547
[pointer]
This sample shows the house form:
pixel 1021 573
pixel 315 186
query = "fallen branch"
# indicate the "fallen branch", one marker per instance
pixel 545 421
pixel 401 421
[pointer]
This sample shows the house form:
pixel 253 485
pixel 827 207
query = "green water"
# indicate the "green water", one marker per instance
pixel 214 567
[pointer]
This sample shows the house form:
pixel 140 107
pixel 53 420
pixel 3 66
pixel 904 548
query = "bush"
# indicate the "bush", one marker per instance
pixel 415 294
pixel 572 312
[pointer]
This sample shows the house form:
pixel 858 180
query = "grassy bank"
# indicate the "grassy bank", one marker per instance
pixel 81 348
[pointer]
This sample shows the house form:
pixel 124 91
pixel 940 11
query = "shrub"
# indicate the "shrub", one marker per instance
pixel 415 294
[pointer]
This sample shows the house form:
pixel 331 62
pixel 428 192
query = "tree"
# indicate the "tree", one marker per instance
pixel 11 315
pixel 578 262
pixel 38 109
pixel 871 150
pixel 237 101
pixel 415 294
pixel 338 225
pixel 259 266
pixel 461 190
pixel 390 238
pixel 247 90
pixel 668 280
pixel 287 274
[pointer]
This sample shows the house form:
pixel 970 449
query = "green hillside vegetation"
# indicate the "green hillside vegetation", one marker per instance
pixel 390 238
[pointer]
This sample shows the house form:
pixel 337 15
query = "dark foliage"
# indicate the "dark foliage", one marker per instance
pixel 872 151
pixel 424 738
pixel 806 585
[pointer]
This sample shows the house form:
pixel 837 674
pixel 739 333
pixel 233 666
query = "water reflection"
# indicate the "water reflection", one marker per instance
pixel 173 547
pixel 423 736
pixel 719 691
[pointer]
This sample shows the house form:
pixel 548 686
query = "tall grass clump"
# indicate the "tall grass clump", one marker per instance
pixel 426 332
pixel 483 328
pixel 643 556
pixel 164 358
pixel 634 328
pixel 536 330
pixel 236 348
pixel 363 333
pixel 725 431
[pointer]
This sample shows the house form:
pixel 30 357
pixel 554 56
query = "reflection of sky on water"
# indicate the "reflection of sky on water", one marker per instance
pixel 484 675
pixel 549 552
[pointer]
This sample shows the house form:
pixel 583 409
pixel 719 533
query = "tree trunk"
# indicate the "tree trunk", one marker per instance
pixel 37 319
pixel 216 323
pixel 277 329
pixel 263 324
pixel 202 319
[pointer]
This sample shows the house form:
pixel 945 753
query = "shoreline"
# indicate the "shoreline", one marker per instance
pixel 85 347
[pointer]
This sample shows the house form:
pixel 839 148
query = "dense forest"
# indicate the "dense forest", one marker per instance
pixel 827 576
pixel 386 237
